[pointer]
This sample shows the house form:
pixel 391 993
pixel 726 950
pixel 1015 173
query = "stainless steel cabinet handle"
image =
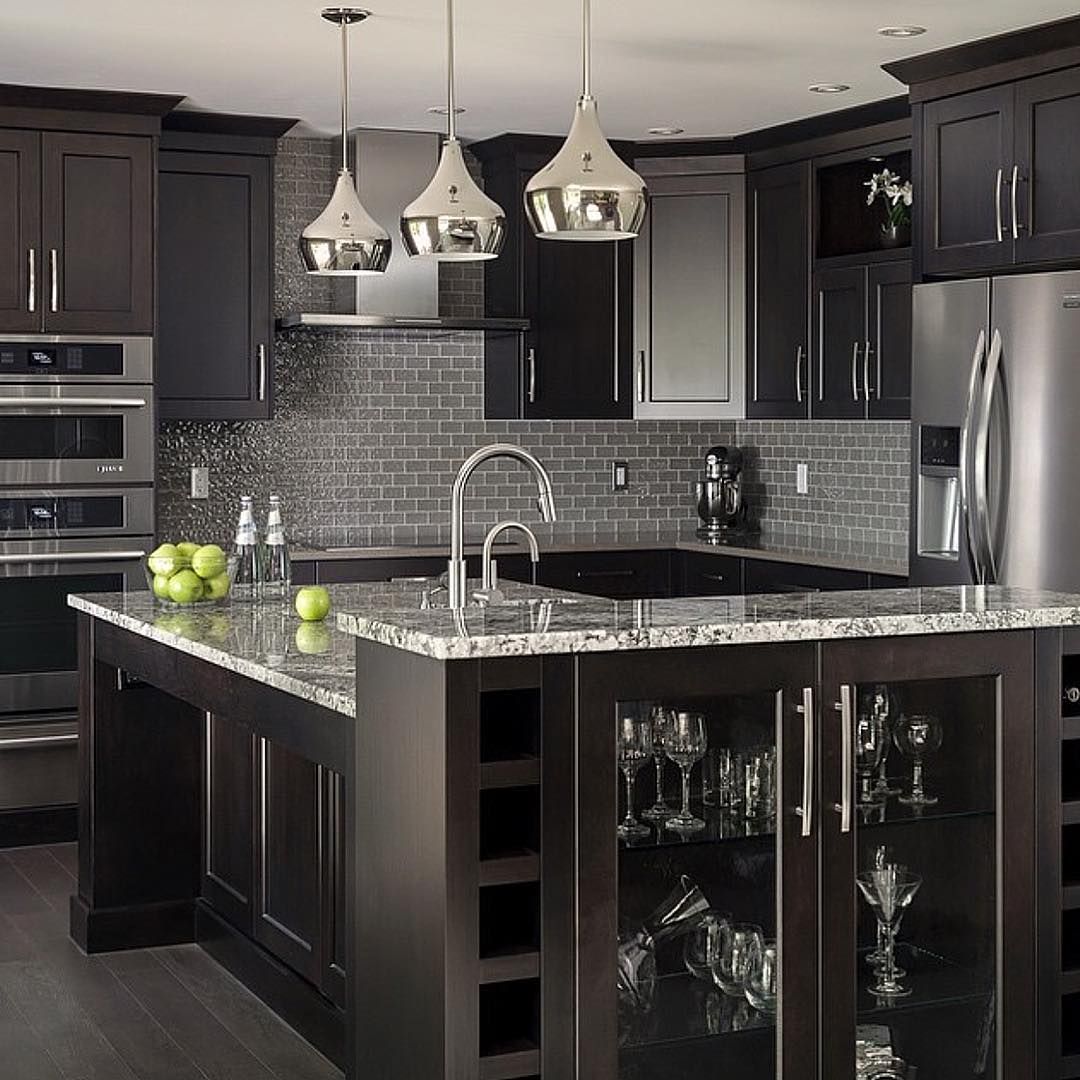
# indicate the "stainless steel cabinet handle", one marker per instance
pixel 1013 200
pixel 68 402
pixel 14 742
pixel 967 444
pixel 847 766
pixel 71 556
pixel 997 206
pixel 54 282
pixel 982 454
pixel 605 573
pixel 712 577
pixel 262 372
pixel 855 371
pixel 868 352
pixel 532 375
pixel 31 280
pixel 800 352
pixel 806 809
pixel 641 376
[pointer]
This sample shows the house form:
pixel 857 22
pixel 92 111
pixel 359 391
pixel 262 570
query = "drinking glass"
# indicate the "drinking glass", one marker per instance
pixel 889 892
pixel 634 748
pixel 738 942
pixel 917 737
pixel 701 950
pixel 870 739
pixel 876 957
pixel 661 724
pixel 881 701
pixel 763 980
pixel 686 743
pixel 759 783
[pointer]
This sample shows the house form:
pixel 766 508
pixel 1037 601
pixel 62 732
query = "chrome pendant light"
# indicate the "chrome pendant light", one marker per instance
pixel 586 192
pixel 345 238
pixel 452 219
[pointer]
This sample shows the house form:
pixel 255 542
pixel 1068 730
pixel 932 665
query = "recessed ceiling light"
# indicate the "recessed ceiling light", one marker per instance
pixel 441 110
pixel 829 88
pixel 902 31
pixel 665 131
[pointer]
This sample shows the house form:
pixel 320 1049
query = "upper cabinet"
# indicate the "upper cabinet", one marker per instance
pixel 575 360
pixel 76 232
pixel 216 267
pixel 690 292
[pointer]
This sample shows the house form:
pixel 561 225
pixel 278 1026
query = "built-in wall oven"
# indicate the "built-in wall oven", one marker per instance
pixel 77 442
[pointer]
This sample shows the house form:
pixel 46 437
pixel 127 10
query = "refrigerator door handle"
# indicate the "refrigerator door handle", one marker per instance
pixel 966 448
pixel 982 453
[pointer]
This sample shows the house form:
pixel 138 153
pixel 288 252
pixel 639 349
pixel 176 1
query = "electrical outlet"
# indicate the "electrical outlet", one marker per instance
pixel 802 478
pixel 620 476
pixel 200 482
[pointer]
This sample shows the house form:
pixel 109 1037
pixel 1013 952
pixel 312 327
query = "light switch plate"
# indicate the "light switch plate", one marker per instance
pixel 620 476
pixel 802 478
pixel 200 482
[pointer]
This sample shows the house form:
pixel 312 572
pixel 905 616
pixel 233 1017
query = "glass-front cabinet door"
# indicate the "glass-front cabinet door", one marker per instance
pixel 927 840
pixel 697 865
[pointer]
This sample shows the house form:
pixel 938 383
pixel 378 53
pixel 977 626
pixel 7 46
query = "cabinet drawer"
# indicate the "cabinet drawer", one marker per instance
pixel 38 762
pixel 708 575
pixel 780 577
pixel 339 571
pixel 615 574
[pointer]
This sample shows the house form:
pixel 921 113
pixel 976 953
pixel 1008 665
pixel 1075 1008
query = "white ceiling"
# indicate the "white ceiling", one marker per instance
pixel 713 68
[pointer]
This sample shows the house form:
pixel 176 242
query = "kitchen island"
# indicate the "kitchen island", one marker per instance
pixel 406 843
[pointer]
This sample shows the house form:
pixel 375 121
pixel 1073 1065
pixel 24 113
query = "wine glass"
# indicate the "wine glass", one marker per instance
pixel 917 737
pixel 634 748
pixel 889 891
pixel 881 701
pixel 685 743
pixel 661 723
pixel 870 740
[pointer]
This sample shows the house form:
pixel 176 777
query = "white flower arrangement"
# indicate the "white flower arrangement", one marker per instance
pixel 896 196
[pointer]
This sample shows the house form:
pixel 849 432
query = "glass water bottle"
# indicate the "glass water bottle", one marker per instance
pixel 248 564
pixel 277 570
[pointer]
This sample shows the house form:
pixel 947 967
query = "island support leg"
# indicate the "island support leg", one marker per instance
pixel 140 753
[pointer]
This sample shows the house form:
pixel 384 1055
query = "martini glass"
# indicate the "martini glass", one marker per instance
pixel 918 737
pixel 634 748
pixel 889 891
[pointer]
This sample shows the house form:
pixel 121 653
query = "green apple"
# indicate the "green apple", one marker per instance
pixel 208 561
pixel 217 588
pixel 313 603
pixel 187 548
pixel 161 586
pixel 165 559
pixel 185 587
pixel 313 638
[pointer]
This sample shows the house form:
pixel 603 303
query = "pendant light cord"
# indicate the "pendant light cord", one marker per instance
pixel 344 95
pixel 586 48
pixel 451 94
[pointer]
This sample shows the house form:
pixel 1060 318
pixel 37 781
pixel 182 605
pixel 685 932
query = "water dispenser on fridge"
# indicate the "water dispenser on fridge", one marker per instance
pixel 938 494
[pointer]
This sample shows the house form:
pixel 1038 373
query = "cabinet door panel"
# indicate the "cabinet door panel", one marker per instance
pixel 766 576
pixel 617 574
pixel 20 231
pixel 97 212
pixel 288 913
pixel 779 241
pixel 889 297
pixel 1048 156
pixel 214 334
pixel 227 840
pixel 931 846
pixel 840 338
pixel 708 575
pixel 966 140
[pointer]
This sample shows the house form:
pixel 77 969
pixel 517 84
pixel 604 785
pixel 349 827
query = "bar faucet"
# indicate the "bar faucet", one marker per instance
pixel 489 568
pixel 456 576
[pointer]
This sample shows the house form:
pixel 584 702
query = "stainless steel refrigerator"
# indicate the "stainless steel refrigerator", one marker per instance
pixel 996 432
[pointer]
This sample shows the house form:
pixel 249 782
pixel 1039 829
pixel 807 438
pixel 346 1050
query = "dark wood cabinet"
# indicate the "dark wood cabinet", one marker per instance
pixel 20 231
pixel 615 574
pixel 778 358
pixel 76 233
pixel 966 161
pixel 765 576
pixel 706 575
pixel 575 361
pixel 215 267
pixel 334 888
pixel 888 385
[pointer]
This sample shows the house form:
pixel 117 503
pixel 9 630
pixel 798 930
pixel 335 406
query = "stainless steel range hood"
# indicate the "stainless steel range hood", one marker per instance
pixel 391 168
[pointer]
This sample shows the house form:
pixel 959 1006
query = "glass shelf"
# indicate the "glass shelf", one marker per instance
pixel 720 826
pixel 871 816
pixel 934 981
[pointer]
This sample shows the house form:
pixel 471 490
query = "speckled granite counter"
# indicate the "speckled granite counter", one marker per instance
pixel 536 626
pixel 774 547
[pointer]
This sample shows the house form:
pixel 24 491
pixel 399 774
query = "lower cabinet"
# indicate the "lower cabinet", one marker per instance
pixel 765 576
pixel 707 575
pixel 617 574
pixel 273 855
pixel 843 865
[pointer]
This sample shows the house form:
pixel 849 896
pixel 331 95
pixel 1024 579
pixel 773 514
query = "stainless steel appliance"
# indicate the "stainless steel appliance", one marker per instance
pixel 996 439
pixel 76 410
pixel 719 496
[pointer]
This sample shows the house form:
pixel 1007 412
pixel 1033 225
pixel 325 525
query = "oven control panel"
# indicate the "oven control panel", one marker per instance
pixel 69 359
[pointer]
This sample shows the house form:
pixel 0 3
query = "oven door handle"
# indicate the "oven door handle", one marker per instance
pixel 22 742
pixel 71 402
pixel 71 556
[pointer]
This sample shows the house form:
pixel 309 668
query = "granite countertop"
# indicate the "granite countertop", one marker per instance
pixel 542 624
pixel 836 554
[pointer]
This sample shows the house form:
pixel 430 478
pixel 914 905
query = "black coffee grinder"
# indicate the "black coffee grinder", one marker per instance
pixel 719 496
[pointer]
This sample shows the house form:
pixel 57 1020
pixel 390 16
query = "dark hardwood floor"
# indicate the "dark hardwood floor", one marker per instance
pixel 156 1014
